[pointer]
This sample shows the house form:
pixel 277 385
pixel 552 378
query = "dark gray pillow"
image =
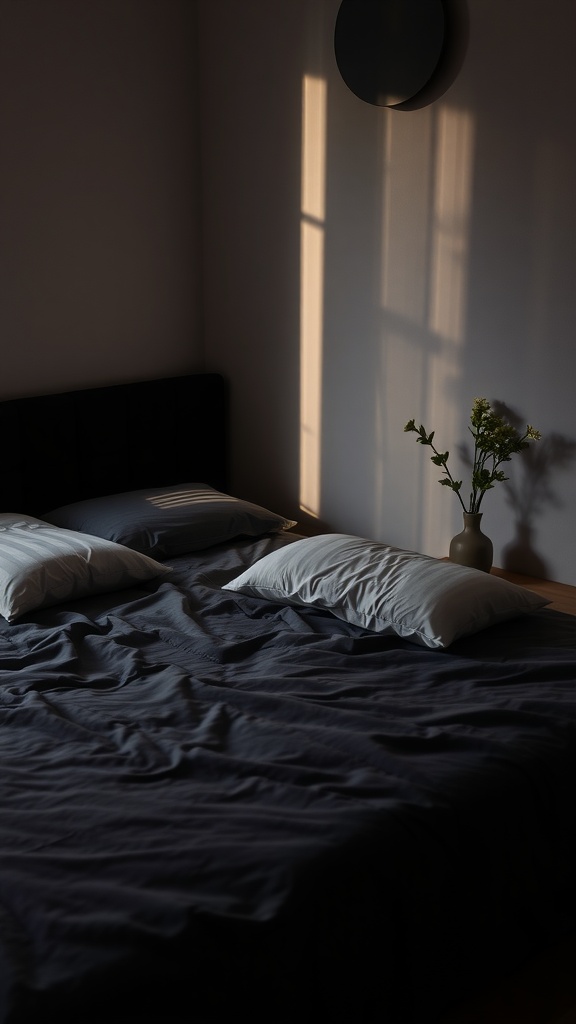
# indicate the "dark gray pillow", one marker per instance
pixel 166 521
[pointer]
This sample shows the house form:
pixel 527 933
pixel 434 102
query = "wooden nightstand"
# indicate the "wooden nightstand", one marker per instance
pixel 562 597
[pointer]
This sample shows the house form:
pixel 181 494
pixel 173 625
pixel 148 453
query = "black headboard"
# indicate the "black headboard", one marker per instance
pixel 65 447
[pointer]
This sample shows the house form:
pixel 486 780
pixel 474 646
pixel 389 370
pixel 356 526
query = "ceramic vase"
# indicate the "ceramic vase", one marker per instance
pixel 472 547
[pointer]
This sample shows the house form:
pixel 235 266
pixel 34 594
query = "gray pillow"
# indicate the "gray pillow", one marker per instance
pixel 386 589
pixel 167 521
pixel 42 565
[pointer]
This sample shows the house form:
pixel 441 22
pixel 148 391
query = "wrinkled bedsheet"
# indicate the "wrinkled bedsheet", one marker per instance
pixel 216 807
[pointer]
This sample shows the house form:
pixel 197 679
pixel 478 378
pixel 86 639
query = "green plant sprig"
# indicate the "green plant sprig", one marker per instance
pixel 495 441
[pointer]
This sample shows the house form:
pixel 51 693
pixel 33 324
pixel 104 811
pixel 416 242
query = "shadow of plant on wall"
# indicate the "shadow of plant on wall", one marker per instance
pixel 529 489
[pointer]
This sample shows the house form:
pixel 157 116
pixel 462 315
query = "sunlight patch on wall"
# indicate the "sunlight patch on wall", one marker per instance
pixel 312 288
pixel 407 172
pixel 448 289
pixel 427 167
pixel 452 201
pixel 407 168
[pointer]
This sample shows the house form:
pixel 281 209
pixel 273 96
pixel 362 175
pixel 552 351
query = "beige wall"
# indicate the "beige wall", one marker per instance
pixel 429 259
pixel 153 221
pixel 99 271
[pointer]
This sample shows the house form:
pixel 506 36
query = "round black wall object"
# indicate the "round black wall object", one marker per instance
pixel 389 51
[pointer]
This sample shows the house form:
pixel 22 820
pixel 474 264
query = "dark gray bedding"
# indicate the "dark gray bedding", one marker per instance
pixel 215 807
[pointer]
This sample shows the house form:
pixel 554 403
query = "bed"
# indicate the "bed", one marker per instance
pixel 231 791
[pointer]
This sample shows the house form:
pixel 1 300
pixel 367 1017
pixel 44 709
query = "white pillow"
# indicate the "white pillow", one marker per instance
pixel 43 565
pixel 386 589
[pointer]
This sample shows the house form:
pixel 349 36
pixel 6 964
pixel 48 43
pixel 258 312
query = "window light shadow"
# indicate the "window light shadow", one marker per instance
pixel 312 239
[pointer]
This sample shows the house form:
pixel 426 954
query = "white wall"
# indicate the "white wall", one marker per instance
pixel 99 273
pixel 434 264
